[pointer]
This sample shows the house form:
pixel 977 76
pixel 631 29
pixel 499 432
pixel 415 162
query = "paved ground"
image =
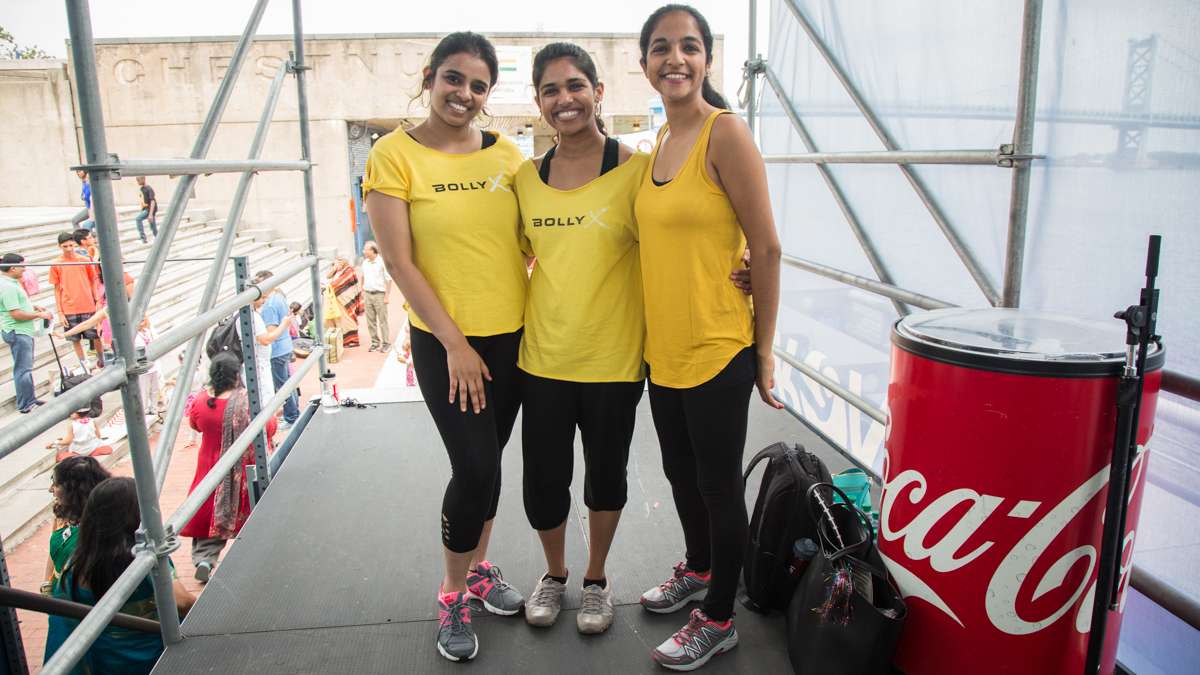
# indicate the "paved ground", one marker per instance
pixel 358 368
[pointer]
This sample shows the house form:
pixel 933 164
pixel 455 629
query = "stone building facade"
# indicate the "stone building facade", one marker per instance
pixel 156 93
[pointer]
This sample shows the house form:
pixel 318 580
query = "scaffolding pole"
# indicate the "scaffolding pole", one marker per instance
pixel 981 157
pixel 935 210
pixel 148 279
pixel 752 84
pixel 189 167
pixel 187 371
pixel 156 540
pixel 860 233
pixel 310 214
pixel 1018 215
pixel 870 285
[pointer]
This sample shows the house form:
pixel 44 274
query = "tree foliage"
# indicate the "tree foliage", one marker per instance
pixel 9 49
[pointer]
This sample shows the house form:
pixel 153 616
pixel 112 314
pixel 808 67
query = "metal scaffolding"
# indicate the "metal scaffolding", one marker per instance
pixel 157 537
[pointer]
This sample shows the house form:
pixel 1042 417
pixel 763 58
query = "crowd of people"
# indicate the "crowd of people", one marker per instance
pixel 649 291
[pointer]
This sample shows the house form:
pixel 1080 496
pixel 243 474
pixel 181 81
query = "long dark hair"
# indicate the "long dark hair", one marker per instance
pixel 224 373
pixel 75 478
pixel 581 59
pixel 708 91
pixel 106 535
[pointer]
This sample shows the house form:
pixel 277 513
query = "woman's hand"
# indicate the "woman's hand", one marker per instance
pixel 766 380
pixel 467 373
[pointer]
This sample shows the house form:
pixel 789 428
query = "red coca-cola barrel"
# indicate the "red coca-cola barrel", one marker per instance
pixel 998 447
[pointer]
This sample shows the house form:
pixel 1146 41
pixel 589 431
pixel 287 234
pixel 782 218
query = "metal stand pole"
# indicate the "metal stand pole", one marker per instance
pixel 310 213
pixel 250 372
pixel 158 541
pixel 1140 322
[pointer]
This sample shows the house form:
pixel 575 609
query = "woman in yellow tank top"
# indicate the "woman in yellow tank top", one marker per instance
pixel 441 202
pixel 704 197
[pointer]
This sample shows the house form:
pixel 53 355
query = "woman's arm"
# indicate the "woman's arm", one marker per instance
pixel 183 597
pixel 92 321
pixel 393 233
pixel 742 174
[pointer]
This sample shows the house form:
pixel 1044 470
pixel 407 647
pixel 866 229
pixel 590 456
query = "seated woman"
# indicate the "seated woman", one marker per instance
pixel 220 415
pixel 71 483
pixel 103 552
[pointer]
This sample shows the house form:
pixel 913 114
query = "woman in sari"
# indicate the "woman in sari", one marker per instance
pixel 344 287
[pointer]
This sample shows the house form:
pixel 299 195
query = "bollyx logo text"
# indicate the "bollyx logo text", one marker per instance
pixel 587 219
pixel 491 184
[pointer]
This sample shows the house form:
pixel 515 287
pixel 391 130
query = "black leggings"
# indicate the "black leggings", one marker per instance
pixel 473 441
pixel 702 432
pixel 605 413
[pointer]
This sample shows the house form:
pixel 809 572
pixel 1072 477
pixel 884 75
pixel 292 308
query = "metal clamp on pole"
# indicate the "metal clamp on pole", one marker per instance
pixel 1008 157
pixel 160 549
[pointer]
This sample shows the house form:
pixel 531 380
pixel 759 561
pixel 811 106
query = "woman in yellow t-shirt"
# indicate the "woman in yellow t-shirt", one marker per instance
pixel 704 197
pixel 441 201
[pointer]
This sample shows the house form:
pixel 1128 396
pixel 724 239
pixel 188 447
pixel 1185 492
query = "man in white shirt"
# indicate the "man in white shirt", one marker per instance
pixel 376 287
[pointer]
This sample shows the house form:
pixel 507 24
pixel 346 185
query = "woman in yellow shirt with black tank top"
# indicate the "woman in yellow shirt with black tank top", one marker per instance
pixel 704 197
pixel 581 353
pixel 440 198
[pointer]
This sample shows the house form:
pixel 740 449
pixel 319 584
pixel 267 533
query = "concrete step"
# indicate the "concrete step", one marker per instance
pixel 39 242
pixel 11 232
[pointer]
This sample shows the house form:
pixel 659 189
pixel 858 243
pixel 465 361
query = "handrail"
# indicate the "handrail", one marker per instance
pixel 1165 595
pixel 185 331
pixel 850 397
pixel 233 455
pixel 1177 383
pixel 36 602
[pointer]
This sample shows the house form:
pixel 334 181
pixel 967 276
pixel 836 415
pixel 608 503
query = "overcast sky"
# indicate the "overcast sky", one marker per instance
pixel 44 22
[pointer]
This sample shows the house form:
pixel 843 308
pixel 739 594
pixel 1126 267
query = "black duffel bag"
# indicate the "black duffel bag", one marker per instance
pixel 845 616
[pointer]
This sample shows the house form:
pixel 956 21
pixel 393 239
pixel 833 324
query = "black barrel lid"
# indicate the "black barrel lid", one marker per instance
pixel 1019 341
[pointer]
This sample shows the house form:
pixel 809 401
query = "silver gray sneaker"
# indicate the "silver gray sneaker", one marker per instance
pixel 693 645
pixel 455 637
pixel 596 614
pixel 543 606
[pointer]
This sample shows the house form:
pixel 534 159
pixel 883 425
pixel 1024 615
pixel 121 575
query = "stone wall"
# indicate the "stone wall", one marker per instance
pixel 157 91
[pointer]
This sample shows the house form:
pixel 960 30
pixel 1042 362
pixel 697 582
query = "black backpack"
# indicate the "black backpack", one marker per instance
pixel 225 338
pixel 779 519
pixel 66 382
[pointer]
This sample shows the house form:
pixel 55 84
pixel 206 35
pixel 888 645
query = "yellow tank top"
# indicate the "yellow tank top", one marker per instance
pixel 465 223
pixel 584 319
pixel 696 320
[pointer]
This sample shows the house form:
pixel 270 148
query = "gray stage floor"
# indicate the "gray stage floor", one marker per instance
pixel 336 569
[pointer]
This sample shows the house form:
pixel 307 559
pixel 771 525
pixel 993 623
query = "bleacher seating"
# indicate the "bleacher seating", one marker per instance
pixel 23 499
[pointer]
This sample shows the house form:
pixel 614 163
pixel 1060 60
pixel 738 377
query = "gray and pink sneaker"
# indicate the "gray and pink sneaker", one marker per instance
pixel 697 642
pixel 485 583
pixel 683 587
pixel 455 637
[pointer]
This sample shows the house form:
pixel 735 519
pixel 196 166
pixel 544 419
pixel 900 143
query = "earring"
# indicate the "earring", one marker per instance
pixel 599 107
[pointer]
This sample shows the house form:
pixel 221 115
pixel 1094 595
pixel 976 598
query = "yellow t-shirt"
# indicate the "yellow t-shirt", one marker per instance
pixel 696 320
pixel 584 318
pixel 465 223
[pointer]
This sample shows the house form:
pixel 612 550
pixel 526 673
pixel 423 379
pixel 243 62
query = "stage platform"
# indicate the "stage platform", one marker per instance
pixel 336 569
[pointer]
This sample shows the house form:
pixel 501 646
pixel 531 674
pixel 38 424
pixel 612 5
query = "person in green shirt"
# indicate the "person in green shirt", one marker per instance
pixel 72 482
pixel 17 328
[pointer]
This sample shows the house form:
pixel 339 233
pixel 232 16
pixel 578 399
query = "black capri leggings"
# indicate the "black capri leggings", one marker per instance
pixel 702 432
pixel 473 441
pixel 605 413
